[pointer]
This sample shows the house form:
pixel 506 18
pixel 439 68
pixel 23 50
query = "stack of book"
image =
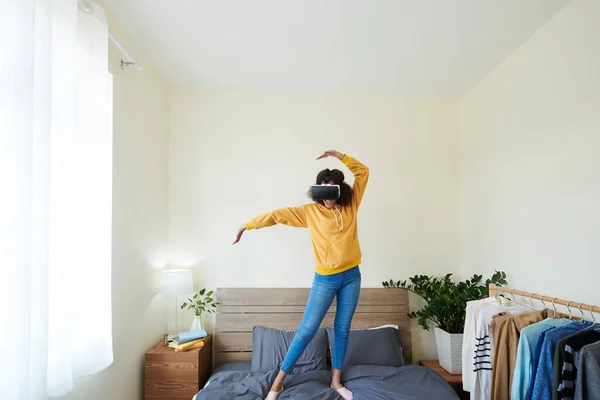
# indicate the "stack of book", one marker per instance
pixel 185 341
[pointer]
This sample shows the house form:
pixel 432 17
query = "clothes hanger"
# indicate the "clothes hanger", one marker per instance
pixel 593 325
pixel 531 301
pixel 510 303
pixel 569 308
pixel 554 308
pixel 543 304
pixel 593 318
pixel 581 311
pixel 533 305
pixel 500 296
pixel 541 299
pixel 525 304
pixel 497 296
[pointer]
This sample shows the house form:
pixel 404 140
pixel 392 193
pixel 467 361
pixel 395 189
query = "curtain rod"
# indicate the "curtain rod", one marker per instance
pixel 87 8
pixel 580 306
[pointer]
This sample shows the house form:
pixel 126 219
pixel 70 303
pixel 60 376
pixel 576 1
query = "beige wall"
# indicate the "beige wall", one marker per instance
pixel 140 195
pixel 526 201
pixel 234 155
pixel 530 162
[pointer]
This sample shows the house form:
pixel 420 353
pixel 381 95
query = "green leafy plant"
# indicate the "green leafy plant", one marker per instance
pixel 446 299
pixel 201 302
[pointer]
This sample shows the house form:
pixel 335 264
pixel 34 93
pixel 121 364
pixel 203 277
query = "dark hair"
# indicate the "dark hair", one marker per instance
pixel 337 177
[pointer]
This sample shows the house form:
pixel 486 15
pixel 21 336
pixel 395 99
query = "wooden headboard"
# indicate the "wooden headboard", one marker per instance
pixel 282 308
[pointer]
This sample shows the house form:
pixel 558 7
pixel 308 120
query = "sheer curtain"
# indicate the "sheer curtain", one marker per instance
pixel 55 197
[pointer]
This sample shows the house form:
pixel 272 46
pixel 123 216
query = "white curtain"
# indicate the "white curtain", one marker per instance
pixel 55 197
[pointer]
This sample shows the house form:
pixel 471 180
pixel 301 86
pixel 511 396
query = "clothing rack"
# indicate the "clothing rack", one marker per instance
pixel 493 289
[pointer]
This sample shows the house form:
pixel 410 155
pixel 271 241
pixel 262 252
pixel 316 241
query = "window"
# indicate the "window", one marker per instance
pixel 55 197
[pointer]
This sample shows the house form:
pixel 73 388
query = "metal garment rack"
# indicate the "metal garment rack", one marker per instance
pixel 494 289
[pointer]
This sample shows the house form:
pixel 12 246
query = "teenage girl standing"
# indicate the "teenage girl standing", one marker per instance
pixel 334 232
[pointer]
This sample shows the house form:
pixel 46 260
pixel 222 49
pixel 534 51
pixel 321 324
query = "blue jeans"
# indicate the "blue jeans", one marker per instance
pixel 346 286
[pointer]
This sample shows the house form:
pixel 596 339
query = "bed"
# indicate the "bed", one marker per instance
pixel 253 328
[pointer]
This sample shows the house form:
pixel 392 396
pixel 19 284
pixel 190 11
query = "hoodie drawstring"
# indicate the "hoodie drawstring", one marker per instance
pixel 337 225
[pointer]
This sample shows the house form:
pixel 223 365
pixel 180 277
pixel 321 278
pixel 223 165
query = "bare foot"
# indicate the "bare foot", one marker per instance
pixel 276 389
pixel 342 391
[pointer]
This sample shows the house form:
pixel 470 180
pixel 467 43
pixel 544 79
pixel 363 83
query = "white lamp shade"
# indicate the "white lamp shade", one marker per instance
pixel 176 282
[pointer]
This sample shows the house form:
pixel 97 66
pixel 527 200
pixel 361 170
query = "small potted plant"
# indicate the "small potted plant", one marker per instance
pixel 200 302
pixel 446 310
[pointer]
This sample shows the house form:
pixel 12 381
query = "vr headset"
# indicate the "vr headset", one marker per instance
pixel 325 191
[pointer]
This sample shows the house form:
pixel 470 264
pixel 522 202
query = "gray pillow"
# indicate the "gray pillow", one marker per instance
pixel 270 346
pixel 379 346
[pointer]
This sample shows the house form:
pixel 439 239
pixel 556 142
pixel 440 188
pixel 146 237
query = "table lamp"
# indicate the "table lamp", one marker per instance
pixel 174 283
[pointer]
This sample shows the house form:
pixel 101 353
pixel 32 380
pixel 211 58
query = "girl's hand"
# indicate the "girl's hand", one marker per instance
pixel 240 232
pixel 332 153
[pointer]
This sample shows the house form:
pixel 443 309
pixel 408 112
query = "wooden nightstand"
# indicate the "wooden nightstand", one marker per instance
pixel 171 375
pixel 454 380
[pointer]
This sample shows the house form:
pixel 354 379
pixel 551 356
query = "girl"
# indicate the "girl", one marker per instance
pixel 334 232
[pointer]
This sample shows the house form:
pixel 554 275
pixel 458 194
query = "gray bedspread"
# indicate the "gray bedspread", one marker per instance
pixel 410 382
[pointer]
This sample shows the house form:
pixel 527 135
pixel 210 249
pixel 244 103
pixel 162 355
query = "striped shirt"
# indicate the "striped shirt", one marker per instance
pixel 565 366
pixel 472 311
pixel 482 348
pixel 543 382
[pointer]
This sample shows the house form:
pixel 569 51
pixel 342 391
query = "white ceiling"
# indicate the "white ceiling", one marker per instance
pixel 412 48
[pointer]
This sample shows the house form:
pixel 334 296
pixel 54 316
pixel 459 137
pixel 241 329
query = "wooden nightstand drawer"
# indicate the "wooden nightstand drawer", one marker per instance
pixel 176 375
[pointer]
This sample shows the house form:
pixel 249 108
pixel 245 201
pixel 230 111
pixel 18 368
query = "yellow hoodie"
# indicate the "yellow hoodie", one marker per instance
pixel 334 232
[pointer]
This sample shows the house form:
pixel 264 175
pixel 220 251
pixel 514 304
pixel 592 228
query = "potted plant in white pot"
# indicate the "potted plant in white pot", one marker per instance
pixel 201 302
pixel 445 309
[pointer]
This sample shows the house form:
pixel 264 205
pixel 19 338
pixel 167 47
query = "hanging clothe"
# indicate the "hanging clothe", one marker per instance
pixel 482 348
pixel 587 386
pixel 494 327
pixel 565 369
pixel 506 345
pixel 542 388
pixel 471 311
pixel 536 359
pixel 524 363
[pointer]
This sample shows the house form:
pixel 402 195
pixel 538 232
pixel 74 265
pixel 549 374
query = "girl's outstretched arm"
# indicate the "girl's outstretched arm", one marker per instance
pixel 290 216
